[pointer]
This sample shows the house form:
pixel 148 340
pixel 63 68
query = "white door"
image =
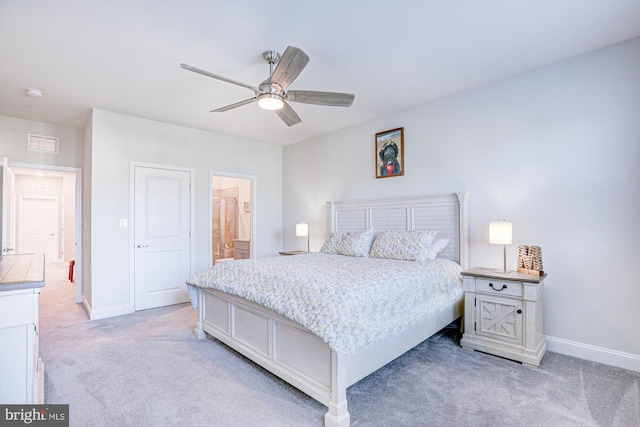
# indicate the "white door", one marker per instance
pixel 38 226
pixel 162 247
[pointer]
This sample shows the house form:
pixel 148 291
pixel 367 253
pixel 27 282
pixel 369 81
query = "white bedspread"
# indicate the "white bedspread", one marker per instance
pixel 349 302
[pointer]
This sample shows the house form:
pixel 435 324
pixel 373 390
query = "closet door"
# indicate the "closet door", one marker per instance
pixel 162 218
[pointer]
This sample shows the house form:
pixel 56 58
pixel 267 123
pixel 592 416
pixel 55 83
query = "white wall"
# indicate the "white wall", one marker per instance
pixel 556 151
pixel 13 142
pixel 118 139
pixel 87 172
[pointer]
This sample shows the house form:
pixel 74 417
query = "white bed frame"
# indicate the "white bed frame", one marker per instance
pixel 302 359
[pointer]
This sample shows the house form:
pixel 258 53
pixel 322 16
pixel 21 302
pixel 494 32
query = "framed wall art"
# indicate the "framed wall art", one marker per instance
pixel 390 153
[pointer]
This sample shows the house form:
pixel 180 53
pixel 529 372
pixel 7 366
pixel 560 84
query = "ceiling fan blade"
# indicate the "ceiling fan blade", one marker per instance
pixel 218 77
pixel 334 99
pixel 232 106
pixel 288 116
pixel 289 67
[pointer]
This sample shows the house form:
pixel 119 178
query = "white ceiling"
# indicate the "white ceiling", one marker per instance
pixel 124 55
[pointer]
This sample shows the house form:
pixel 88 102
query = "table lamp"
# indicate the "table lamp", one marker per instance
pixel 302 230
pixel 500 234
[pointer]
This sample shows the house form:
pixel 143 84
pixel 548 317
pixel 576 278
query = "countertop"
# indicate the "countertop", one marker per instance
pixel 21 272
pixel 496 274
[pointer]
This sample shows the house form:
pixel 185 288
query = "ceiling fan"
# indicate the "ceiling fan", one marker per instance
pixel 272 93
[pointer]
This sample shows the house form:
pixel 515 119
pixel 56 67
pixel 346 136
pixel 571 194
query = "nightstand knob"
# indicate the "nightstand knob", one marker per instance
pixel 519 311
pixel 503 287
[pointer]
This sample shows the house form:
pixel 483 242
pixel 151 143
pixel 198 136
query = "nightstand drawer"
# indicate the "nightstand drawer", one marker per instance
pixel 499 287
pixel 18 308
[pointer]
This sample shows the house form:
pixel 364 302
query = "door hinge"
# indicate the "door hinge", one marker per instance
pixel 475 328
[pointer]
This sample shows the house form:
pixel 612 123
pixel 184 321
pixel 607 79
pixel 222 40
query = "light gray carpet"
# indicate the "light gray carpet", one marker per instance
pixel 146 369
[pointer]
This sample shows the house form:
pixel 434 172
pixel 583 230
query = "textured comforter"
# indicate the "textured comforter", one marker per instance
pixel 349 302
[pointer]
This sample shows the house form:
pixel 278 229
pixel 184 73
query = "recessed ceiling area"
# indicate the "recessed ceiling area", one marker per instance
pixel 125 56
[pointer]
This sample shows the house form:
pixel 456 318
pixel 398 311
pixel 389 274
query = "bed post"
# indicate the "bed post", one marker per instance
pixel 463 197
pixel 332 217
pixel 338 415
pixel 198 332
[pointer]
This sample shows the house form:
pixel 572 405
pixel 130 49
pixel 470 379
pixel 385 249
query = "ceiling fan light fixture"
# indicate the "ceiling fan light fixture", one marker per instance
pixel 270 101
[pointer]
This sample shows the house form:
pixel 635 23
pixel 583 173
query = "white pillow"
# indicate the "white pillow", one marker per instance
pixel 351 244
pixel 403 245
pixel 437 247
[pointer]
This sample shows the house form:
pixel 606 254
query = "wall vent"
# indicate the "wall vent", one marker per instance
pixel 43 144
pixel 39 186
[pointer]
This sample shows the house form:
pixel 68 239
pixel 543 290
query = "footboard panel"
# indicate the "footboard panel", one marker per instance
pixel 303 352
pixel 272 341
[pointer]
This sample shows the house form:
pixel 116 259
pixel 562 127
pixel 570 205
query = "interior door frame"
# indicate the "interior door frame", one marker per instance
pixel 253 206
pixel 132 238
pixel 78 275
pixel 6 177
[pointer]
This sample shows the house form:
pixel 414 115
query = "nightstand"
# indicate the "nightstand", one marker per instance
pixel 292 252
pixel 503 314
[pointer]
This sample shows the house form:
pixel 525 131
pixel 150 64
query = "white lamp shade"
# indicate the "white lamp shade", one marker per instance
pixel 500 232
pixel 302 229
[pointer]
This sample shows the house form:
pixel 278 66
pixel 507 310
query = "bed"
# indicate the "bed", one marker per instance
pixel 323 358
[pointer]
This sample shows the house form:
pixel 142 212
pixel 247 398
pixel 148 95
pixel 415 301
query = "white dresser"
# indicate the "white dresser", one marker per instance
pixel 21 369
pixel 503 314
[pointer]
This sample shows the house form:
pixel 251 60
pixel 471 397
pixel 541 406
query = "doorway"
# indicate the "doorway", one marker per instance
pixel 231 217
pixel 40 213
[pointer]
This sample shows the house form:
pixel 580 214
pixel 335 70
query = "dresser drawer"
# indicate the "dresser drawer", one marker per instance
pixel 499 287
pixel 17 308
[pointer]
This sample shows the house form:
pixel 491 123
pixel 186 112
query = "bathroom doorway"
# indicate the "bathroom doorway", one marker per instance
pixel 231 217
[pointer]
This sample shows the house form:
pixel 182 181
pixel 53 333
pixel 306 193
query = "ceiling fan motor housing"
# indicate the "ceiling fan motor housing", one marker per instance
pixel 271 56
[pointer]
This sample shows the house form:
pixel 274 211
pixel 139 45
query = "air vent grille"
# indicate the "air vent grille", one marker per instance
pixel 39 186
pixel 43 144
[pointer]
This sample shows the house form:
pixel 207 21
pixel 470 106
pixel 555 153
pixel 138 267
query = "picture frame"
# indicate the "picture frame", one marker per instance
pixel 390 153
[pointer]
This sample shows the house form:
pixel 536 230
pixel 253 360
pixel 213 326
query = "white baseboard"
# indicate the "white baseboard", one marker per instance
pixel 103 313
pixel 606 356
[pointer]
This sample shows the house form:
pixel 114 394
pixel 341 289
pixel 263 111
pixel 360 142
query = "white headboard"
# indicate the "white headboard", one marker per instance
pixel 445 213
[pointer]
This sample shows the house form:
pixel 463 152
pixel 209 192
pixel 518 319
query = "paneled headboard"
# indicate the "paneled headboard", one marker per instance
pixel 446 213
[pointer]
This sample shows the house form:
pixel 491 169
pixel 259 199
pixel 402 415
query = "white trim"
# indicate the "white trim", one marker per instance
pixel 132 165
pixel 5 205
pixel 594 353
pixel 103 313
